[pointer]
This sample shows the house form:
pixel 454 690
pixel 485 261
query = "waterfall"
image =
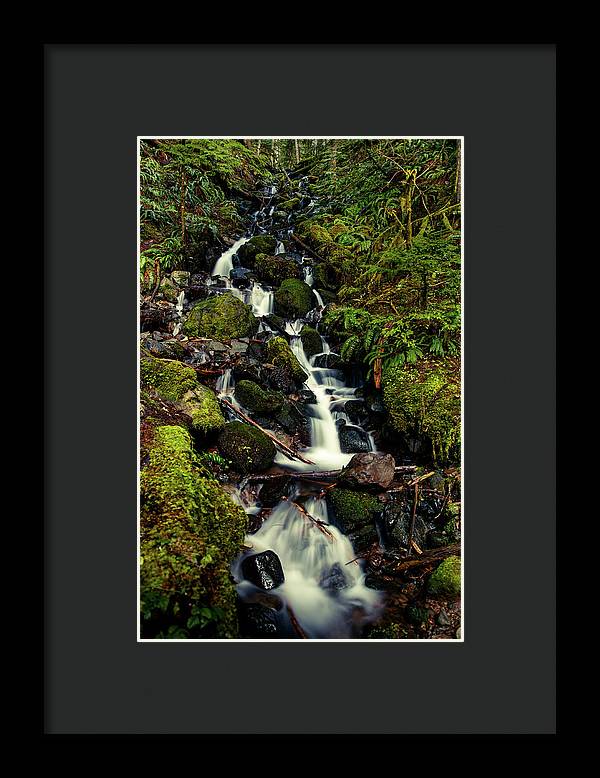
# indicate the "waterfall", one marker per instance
pixel 179 309
pixel 308 276
pixel 327 595
pixel 224 265
pixel 261 300
pixel 280 249
pixel 319 298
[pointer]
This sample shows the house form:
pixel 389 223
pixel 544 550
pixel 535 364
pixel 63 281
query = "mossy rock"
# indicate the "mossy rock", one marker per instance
pixel 280 354
pixel 311 341
pixel 177 383
pixel 326 277
pixel 327 296
pixel 352 509
pixel 293 299
pixel 445 580
pixel 168 291
pixel 191 531
pixel 256 399
pixel 259 244
pixel 220 317
pixel 248 449
pixel 274 270
pixel 289 205
pixel 424 403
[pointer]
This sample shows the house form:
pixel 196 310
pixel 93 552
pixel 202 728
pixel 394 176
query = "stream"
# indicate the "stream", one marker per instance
pixel 323 594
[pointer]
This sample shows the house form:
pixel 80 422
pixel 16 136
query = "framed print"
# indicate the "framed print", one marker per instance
pixel 294 357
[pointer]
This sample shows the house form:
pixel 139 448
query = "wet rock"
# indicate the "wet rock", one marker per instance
pixel 372 469
pixel 279 353
pixel 293 299
pixel 238 346
pixel 256 400
pixel 334 578
pixel 357 411
pixel 273 270
pixel 168 290
pixel 263 570
pixel 443 619
pixel 353 439
pixel 271 492
pixel 165 349
pixel 395 524
pixel 259 244
pixel 257 621
pixel 220 317
pixel 311 341
pixel 329 361
pixel 276 323
pixel 248 449
pixel 307 396
pixel 266 599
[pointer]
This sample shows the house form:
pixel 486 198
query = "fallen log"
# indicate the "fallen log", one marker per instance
pixel 318 474
pixel 286 449
pixel 426 558
pixel 308 248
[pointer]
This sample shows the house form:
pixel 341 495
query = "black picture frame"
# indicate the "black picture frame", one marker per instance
pixel 98 678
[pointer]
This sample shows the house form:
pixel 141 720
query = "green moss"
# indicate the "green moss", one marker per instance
pixel 293 299
pixel 248 449
pixel 425 401
pixel 175 382
pixel 280 354
pixel 171 379
pixel 190 533
pixel 168 290
pixel 325 277
pixel 445 580
pixel 220 317
pixel 288 205
pixel 259 244
pixel 273 270
pixel 256 399
pixel 311 341
pixel 353 509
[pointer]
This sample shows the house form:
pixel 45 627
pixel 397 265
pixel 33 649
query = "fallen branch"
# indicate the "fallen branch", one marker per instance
pixel 286 449
pixel 308 248
pixel 296 624
pixel 319 524
pixel 412 519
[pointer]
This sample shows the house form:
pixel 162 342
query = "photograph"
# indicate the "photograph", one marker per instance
pixel 300 395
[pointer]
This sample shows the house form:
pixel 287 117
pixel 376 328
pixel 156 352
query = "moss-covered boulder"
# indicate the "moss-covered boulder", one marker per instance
pixel 325 277
pixel 280 354
pixel 311 341
pixel 274 270
pixel 256 399
pixel 191 531
pixel 352 509
pixel 445 580
pixel 177 383
pixel 247 448
pixel 293 299
pixel 423 402
pixel 221 317
pixel 259 244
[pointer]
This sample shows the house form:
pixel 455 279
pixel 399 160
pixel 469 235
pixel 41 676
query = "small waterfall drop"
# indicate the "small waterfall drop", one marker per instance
pixel 224 265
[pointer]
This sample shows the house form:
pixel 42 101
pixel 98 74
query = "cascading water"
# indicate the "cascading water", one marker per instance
pixel 324 590
pixel 179 309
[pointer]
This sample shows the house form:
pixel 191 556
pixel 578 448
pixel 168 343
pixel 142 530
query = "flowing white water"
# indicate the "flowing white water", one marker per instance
pixel 323 587
pixel 327 595
pixel 224 265
pixel 261 300
pixel 179 310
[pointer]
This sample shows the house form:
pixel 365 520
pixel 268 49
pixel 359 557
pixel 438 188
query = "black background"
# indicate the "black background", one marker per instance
pixel 98 99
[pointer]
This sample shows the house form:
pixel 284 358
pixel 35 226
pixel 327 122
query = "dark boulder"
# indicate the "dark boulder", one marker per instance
pixel 263 570
pixel 257 621
pixel 353 439
pixel 334 578
pixel 372 469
